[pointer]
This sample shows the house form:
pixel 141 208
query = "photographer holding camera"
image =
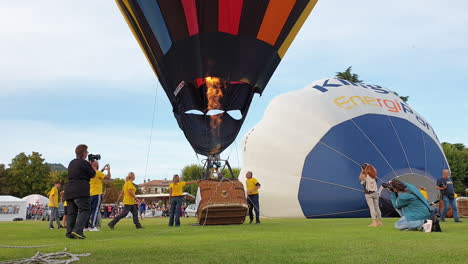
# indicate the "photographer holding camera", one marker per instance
pixel 445 185
pixel 80 173
pixel 411 205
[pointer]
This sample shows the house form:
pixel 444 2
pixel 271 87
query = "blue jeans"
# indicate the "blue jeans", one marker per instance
pixel 252 201
pixel 176 203
pixel 453 204
pixel 405 224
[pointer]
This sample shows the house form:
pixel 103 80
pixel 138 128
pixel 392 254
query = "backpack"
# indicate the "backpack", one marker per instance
pixel 435 221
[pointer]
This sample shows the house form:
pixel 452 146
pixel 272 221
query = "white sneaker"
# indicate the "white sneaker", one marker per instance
pixel 86 229
pixel 94 229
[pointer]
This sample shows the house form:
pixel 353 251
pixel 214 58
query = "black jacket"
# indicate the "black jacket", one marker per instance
pixel 79 174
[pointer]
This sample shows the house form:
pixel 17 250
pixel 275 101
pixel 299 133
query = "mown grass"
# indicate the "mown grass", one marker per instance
pixel 273 241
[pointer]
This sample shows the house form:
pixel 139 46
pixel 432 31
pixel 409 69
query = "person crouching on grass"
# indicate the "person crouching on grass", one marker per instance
pixel 175 196
pixel 367 178
pixel 129 203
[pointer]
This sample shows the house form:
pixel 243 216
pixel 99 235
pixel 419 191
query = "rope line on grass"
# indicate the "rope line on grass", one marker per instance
pixel 61 257
pixel 38 246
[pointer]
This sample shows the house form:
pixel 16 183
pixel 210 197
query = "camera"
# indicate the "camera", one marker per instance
pixel 388 185
pixel 93 157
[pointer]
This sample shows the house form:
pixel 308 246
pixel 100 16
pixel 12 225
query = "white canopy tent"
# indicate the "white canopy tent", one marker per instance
pixel 12 207
pixel 36 199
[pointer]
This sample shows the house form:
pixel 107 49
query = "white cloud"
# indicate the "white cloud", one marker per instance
pixel 73 40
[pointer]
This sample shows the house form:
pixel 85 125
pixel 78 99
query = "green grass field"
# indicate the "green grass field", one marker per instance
pixel 273 241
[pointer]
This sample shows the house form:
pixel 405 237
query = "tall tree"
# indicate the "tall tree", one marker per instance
pixel 28 175
pixel 4 187
pixel 110 192
pixel 192 172
pixel 457 157
pixel 348 75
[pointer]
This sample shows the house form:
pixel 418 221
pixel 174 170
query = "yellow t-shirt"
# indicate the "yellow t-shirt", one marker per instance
pixel 177 188
pixel 251 184
pixel 65 204
pixel 53 197
pixel 127 198
pixel 424 193
pixel 95 184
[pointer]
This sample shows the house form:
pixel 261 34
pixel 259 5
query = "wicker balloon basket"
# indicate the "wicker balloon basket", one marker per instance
pixel 462 203
pixel 222 202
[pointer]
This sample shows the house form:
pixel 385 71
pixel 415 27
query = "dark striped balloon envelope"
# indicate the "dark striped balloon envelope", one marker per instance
pixel 211 56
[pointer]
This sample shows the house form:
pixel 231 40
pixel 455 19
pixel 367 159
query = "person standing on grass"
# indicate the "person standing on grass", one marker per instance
pixel 445 185
pixel 53 205
pixel 80 173
pixel 253 185
pixel 129 203
pixel 142 209
pixel 176 197
pixel 96 187
pixel 368 180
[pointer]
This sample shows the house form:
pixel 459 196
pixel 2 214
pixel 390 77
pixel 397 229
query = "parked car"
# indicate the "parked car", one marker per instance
pixel 191 210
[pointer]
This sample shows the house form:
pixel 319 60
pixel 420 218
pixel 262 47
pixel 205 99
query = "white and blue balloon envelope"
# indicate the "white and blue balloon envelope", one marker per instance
pixel 307 150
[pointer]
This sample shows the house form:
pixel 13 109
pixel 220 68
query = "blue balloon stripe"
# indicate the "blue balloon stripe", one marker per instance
pixel 155 20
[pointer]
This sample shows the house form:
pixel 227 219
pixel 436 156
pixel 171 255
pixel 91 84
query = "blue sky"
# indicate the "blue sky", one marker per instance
pixel 71 72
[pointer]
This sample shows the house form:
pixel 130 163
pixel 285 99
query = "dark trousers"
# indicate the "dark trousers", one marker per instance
pixel 77 214
pixel 252 201
pixel 176 203
pixel 127 209
pixel 95 202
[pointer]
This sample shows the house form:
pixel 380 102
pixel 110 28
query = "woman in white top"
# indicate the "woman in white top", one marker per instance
pixel 368 180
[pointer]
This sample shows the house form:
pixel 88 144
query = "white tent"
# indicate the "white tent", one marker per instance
pixel 36 199
pixel 12 207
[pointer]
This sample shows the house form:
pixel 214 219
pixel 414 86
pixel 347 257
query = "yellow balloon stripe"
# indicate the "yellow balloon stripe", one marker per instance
pixel 292 34
pixel 142 42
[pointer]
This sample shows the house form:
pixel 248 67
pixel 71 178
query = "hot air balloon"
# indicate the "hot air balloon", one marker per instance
pixel 212 56
pixel 308 149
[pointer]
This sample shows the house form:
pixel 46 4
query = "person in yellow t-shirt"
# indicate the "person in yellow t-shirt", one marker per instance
pixel 128 191
pixel 53 205
pixel 95 192
pixel 176 197
pixel 253 185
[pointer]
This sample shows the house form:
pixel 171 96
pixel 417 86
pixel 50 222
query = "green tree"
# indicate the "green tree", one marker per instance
pixel 192 172
pixel 348 75
pixel 118 184
pixel 28 175
pixel 61 176
pixel 457 157
pixel 110 192
pixel 353 77
pixel 4 187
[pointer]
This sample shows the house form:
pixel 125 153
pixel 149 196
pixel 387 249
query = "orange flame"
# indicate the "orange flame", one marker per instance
pixel 214 94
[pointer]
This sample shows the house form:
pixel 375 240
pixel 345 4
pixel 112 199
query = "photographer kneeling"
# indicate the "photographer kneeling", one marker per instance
pixel 410 204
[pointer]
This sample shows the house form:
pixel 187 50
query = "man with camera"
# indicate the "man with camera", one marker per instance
pixel 410 204
pixel 80 173
pixel 447 194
